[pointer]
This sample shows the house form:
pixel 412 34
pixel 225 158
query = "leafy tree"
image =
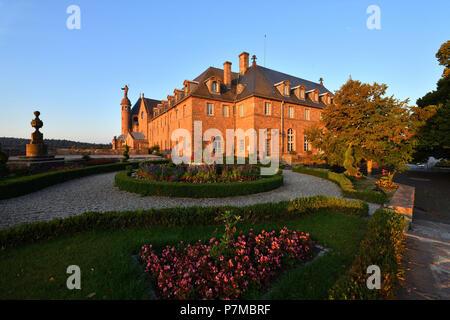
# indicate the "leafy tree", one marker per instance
pixel 378 127
pixel 434 134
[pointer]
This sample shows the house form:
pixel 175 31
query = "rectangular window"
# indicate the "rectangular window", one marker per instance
pixel 305 145
pixel 226 111
pixel 267 108
pixel 209 109
pixel 268 147
pixel 306 114
pixel 242 145
pixel 184 111
pixel 286 90
pixel 241 110
pixel 291 112
pixel 217 145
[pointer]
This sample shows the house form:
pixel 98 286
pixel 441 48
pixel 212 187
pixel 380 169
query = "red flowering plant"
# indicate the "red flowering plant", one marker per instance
pixel 18 170
pixel 197 271
pixel 385 181
pixel 197 173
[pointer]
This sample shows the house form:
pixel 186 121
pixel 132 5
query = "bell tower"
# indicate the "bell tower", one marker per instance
pixel 126 105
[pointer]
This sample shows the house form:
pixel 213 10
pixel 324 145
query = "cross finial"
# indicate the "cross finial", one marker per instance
pixel 321 81
pixel 254 60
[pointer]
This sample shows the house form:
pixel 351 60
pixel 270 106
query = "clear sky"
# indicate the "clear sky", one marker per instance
pixel 74 76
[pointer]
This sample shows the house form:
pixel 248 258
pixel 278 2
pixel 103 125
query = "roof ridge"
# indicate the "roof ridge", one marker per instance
pixel 290 75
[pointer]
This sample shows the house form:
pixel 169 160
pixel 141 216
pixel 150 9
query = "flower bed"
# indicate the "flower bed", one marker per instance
pixel 147 187
pixel 197 173
pixel 193 272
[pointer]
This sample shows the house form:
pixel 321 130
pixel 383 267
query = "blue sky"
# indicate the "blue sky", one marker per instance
pixel 74 76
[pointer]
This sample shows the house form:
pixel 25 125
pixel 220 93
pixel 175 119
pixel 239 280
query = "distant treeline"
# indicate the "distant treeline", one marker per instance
pixel 17 145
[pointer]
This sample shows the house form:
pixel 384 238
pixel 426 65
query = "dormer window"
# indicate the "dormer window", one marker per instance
pixel 313 95
pixel 284 87
pixel 325 98
pixel 213 84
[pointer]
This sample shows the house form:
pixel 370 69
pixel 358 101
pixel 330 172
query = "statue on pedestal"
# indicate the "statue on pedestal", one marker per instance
pixel 36 147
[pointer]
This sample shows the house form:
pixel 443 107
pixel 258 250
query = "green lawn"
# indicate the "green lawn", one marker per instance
pixel 108 269
pixel 368 184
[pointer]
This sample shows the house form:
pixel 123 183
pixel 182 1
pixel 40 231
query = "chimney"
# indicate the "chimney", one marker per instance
pixel 227 73
pixel 243 62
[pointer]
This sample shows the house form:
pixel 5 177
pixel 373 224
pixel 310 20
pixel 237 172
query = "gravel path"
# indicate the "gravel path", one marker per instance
pixel 98 193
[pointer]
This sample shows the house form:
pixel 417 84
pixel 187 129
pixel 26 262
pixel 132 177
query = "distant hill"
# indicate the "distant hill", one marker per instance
pixel 16 146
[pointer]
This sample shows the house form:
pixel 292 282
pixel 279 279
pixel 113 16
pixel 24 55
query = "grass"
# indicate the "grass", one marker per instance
pixel 367 184
pixel 108 271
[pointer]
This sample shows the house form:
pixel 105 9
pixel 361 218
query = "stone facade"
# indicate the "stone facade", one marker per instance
pixel 255 98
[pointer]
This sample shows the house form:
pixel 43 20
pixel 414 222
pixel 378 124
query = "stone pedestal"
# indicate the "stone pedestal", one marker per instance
pixel 36 150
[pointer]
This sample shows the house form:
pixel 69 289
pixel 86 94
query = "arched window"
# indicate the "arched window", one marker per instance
pixel 142 115
pixel 290 140
pixel 214 86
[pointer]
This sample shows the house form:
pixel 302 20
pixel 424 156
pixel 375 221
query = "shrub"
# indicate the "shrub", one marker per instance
pixel 345 184
pixel 125 153
pixel 196 190
pixel 185 216
pixel 382 246
pixel 3 160
pixel 191 272
pixel 86 156
pixel 443 163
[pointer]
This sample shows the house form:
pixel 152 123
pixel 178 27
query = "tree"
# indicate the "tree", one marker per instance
pixel 434 134
pixel 125 153
pixel 378 127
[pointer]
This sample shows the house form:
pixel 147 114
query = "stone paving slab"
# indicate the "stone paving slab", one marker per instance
pixel 403 200
pixel 426 262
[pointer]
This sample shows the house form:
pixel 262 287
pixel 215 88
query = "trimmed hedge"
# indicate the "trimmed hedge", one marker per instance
pixel 15 187
pixel 382 246
pixel 185 216
pixel 196 190
pixel 345 184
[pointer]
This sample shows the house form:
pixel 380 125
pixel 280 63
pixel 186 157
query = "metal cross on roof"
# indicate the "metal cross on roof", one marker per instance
pixel 254 60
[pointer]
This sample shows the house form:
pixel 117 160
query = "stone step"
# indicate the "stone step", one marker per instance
pixel 403 200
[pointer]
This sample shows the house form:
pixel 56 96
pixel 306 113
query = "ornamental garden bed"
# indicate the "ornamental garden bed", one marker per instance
pixel 362 189
pixel 196 181
pixel 103 246
pixel 201 271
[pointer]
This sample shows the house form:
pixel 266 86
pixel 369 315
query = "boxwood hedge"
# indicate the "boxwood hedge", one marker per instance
pixel 383 246
pixel 196 190
pixel 345 184
pixel 185 216
pixel 26 184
